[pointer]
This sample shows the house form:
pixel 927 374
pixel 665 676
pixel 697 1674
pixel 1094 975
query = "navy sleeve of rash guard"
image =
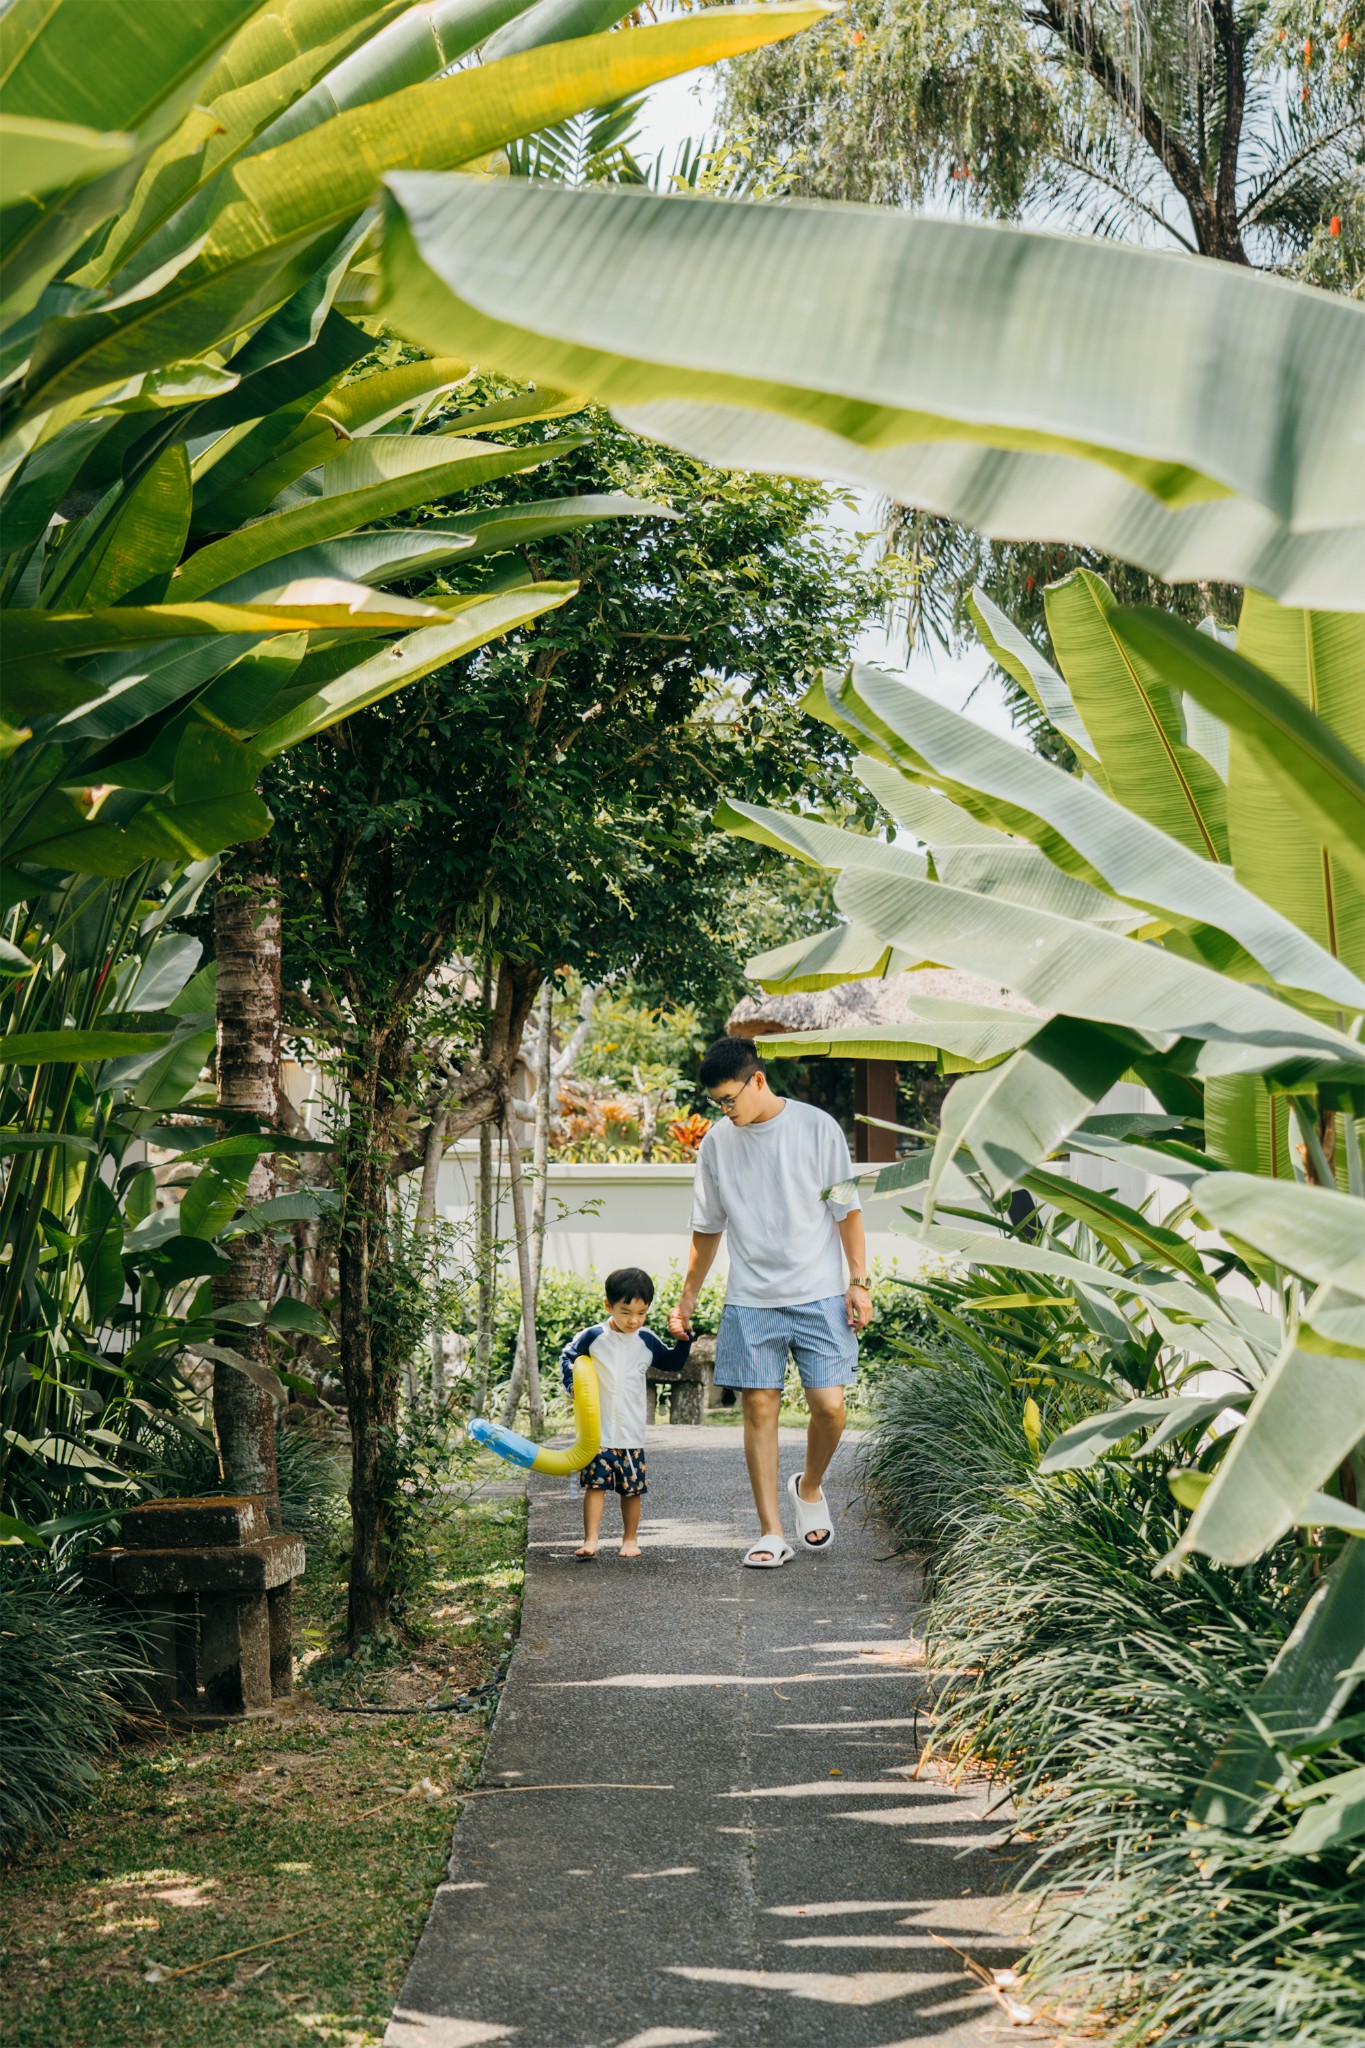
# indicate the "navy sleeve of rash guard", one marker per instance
pixel 577 1347
pixel 667 1359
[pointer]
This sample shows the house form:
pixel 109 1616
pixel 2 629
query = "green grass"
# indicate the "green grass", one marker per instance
pixel 313 1827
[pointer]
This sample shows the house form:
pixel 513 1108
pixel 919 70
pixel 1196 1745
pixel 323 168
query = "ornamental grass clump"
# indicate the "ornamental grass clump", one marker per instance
pixel 69 1669
pixel 1103 1694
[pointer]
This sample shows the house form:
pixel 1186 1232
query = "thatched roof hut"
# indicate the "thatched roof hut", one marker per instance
pixel 879 1001
pixel 876 1004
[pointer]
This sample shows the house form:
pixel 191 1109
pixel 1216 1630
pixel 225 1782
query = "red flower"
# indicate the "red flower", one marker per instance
pixel 1334 224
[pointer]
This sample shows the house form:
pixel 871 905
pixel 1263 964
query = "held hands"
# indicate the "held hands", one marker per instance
pixel 680 1318
pixel 858 1305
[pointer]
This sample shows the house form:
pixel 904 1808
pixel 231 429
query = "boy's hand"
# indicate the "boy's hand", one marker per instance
pixel 858 1307
pixel 680 1318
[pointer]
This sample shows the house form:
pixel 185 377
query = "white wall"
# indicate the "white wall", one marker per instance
pixel 605 1216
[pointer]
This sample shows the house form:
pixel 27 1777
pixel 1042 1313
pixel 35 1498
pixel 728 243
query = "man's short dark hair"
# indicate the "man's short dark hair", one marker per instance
pixel 627 1284
pixel 729 1059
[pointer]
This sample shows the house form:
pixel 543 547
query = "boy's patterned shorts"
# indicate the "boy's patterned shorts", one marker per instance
pixel 620 1472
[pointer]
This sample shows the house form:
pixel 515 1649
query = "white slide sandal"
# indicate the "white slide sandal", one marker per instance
pixel 810 1515
pixel 779 1551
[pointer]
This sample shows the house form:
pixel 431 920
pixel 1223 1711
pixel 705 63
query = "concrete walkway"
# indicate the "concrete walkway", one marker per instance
pixel 698 1819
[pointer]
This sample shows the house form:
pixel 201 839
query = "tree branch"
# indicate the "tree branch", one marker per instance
pixel 1071 29
pixel 1234 113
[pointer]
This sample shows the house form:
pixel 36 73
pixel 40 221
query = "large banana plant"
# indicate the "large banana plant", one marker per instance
pixel 200 469
pixel 1216 956
pixel 1196 419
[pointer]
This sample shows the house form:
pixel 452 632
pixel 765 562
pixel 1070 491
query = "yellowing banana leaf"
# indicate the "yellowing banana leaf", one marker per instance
pixel 62 61
pixel 276 208
pixel 372 479
pixel 44 156
pixel 827 959
pixel 922 357
pixel 1134 717
pixel 956 1037
pixel 422 42
pixel 1311 767
pixel 322 605
pixel 267 67
pixel 478 619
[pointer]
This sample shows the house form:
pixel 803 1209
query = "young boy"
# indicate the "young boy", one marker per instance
pixel 623 1350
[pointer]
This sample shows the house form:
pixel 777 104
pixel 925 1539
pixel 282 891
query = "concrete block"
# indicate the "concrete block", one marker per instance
pixel 195 1524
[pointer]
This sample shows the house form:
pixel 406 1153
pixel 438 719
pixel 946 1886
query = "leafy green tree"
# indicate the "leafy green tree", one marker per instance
pixel 1232 130
pixel 547 804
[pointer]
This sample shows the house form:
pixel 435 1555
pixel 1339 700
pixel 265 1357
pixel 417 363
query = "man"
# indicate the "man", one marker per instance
pixel 761 1177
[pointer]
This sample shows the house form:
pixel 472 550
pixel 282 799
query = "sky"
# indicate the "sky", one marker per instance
pixel 683 107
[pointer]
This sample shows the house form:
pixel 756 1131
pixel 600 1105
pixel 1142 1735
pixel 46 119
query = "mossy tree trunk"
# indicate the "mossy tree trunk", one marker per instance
pixel 246 926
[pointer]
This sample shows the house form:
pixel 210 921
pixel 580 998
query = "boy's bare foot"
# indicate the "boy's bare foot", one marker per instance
pixel 631 1550
pixel 586 1551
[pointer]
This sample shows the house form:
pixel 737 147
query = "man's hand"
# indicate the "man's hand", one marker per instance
pixel 858 1305
pixel 680 1318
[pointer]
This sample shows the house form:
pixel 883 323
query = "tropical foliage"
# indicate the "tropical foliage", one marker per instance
pixel 200 454
pixel 1105 1692
pixel 1176 1379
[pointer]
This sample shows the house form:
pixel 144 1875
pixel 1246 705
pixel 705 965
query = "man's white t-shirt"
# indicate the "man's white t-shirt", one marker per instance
pixel 763 1185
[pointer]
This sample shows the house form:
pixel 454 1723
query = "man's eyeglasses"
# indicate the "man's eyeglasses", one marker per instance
pixel 725 1102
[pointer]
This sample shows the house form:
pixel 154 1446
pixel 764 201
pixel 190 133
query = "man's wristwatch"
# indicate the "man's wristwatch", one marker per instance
pixel 866 1285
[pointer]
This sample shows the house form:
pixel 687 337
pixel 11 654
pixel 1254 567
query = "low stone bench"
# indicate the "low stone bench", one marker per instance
pixel 214 1588
pixel 689 1399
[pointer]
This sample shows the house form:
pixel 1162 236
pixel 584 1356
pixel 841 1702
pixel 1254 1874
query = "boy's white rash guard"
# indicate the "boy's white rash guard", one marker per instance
pixel 622 1358
pixel 763 1185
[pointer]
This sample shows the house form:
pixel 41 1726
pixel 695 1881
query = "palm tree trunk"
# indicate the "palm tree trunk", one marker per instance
pixel 424 1223
pixel 246 925
pixel 540 1164
pixel 369 1376
pixel 527 1371
pixel 485 1253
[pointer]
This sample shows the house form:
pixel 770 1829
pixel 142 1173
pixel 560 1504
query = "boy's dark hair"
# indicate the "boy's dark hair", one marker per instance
pixel 629 1283
pixel 729 1059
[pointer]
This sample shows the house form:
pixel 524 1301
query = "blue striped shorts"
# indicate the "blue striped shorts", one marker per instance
pixel 752 1345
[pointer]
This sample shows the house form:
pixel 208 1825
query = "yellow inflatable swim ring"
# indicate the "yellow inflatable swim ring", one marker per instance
pixel 587 1415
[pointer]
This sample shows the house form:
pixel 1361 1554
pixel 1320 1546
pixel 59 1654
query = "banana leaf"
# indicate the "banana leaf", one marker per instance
pixel 1310 766
pixel 1133 713
pixel 1092 973
pixel 1085 832
pixel 280 210
pixel 857 343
